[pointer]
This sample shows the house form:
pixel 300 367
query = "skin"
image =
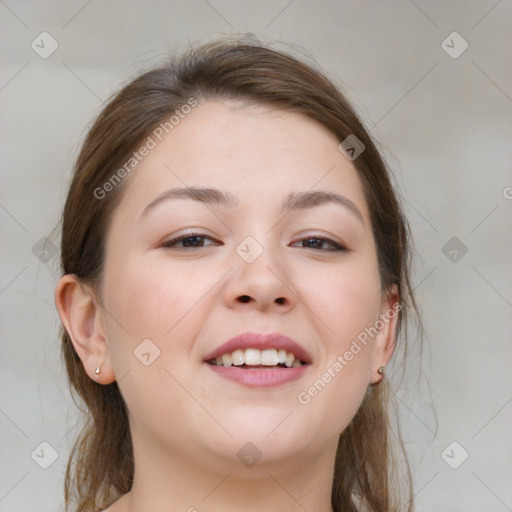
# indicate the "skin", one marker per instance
pixel 188 423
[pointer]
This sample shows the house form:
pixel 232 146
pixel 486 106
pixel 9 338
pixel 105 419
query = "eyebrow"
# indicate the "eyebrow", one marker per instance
pixel 310 199
pixel 294 200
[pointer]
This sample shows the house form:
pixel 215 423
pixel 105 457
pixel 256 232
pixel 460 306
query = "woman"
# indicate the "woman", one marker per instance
pixel 235 277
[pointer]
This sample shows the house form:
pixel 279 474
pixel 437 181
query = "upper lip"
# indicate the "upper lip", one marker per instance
pixel 260 342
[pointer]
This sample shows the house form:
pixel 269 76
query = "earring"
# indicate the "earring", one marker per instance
pixel 381 370
pixel 97 371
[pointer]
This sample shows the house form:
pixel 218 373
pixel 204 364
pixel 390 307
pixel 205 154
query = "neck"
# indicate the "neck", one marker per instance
pixel 176 480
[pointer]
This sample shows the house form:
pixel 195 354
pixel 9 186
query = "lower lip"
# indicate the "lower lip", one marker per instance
pixel 264 378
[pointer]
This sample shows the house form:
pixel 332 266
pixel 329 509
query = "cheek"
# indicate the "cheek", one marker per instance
pixel 346 305
pixel 343 302
pixel 149 299
pixel 333 398
pixel 154 301
pixel 149 302
pixel 339 382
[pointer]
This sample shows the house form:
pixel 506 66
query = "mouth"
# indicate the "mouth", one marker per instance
pixel 253 358
pixel 259 360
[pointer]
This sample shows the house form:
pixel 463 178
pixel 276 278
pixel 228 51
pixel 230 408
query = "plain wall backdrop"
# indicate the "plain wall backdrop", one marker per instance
pixel 433 81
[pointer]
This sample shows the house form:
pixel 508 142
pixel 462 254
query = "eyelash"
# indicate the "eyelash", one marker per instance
pixel 172 243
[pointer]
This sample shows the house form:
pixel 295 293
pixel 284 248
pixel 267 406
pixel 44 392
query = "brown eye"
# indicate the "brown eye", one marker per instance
pixel 189 242
pixel 319 243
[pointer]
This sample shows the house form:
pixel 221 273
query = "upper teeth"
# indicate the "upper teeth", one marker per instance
pixel 254 357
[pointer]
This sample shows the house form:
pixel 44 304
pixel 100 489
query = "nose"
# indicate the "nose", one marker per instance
pixel 261 285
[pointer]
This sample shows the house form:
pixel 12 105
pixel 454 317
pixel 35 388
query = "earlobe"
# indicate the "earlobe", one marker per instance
pixel 385 341
pixel 82 318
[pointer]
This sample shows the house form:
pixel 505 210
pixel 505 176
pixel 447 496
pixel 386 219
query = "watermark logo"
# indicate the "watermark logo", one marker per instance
pixel 249 455
pixel 147 352
pixel 351 147
pixel 454 455
pixel 44 45
pixel 44 250
pixel 44 455
pixel 454 249
pixel 249 249
pixel 454 45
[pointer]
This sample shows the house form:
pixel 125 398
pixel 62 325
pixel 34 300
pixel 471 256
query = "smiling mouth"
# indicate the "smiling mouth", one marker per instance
pixel 255 359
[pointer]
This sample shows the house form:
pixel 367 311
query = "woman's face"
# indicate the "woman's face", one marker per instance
pixel 267 249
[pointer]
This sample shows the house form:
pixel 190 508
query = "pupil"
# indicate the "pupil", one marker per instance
pixel 315 242
pixel 193 240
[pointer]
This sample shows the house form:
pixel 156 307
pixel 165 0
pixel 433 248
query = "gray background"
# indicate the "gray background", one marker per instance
pixel 445 126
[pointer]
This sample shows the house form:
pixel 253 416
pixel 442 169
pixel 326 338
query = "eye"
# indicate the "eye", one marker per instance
pixel 189 241
pixel 320 243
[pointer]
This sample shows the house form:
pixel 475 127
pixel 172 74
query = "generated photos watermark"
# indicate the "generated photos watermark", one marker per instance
pixel 342 360
pixel 150 143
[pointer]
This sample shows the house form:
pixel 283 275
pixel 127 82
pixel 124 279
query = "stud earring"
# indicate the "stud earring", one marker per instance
pixel 97 371
pixel 381 370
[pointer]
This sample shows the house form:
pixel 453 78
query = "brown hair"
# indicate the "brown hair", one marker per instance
pixel 101 466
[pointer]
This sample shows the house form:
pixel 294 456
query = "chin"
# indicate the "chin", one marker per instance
pixel 276 435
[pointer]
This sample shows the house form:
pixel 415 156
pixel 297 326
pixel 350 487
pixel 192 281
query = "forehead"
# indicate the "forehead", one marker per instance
pixel 255 152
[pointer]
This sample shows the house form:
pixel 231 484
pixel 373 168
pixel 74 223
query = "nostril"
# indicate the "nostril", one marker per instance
pixel 247 298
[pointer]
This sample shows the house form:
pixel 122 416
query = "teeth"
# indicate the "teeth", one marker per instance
pixel 237 358
pixel 252 356
pixel 269 357
pixel 255 357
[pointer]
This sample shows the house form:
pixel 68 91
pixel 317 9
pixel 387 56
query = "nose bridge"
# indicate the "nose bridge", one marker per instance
pixel 261 257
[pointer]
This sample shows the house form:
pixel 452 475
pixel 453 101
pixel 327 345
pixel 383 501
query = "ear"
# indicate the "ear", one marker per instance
pixel 384 342
pixel 82 316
